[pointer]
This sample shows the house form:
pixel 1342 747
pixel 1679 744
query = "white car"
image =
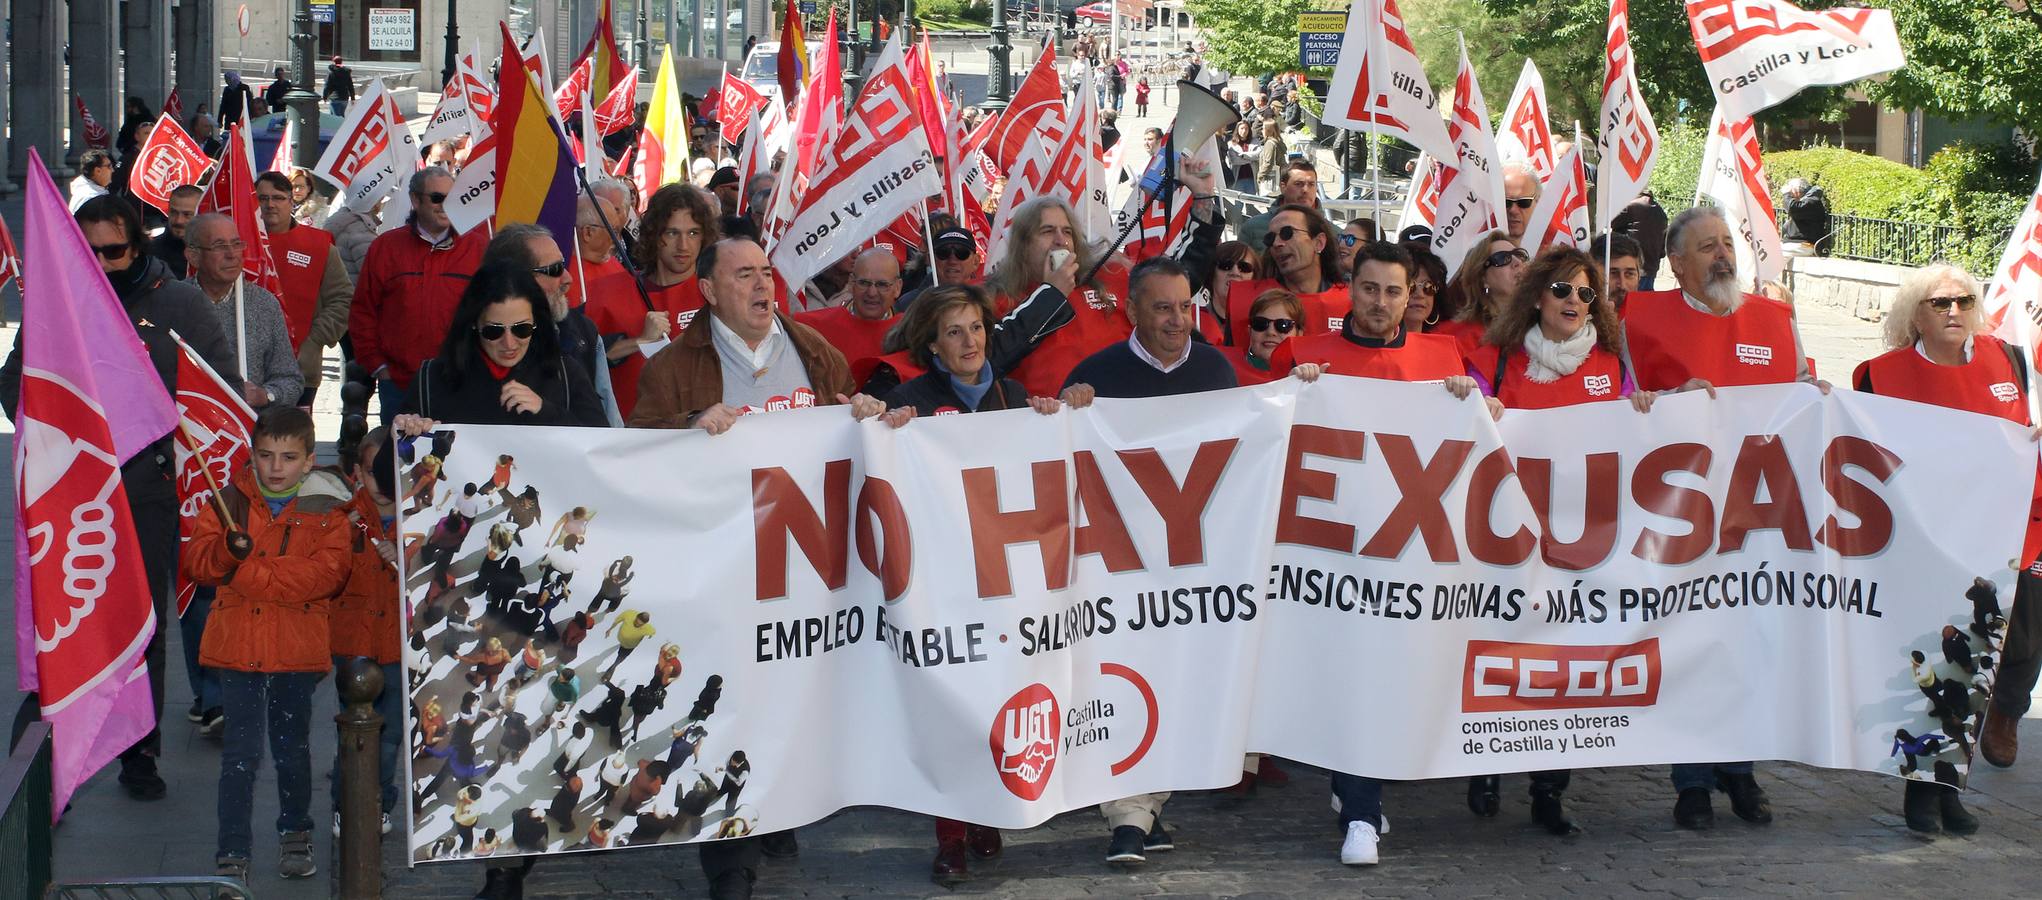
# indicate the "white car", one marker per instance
pixel 762 66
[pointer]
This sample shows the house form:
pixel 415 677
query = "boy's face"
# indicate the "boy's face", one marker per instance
pixel 364 458
pixel 281 463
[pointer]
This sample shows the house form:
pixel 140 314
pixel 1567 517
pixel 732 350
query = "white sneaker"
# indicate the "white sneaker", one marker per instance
pixel 1360 847
pixel 336 824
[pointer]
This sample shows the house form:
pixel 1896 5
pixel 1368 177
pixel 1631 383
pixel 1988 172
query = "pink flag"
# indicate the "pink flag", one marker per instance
pixel 90 400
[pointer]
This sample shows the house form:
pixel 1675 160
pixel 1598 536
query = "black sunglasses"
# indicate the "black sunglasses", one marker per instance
pixel 1522 202
pixel 1424 287
pixel 1564 289
pixel 1502 258
pixel 1243 266
pixel 1939 304
pixel 493 331
pixel 437 197
pixel 1349 240
pixel 1261 323
pixel 554 269
pixel 1282 234
pixel 955 254
pixel 110 251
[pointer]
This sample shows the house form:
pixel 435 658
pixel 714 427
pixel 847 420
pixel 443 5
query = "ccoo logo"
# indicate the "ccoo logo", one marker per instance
pixel 1024 741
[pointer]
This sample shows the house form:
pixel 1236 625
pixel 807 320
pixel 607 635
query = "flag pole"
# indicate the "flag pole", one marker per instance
pixel 192 444
pixel 240 328
pixel 1375 159
pixel 929 244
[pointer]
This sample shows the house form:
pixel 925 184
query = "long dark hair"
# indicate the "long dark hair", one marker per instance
pixel 493 284
pixel 1315 226
pixel 1522 315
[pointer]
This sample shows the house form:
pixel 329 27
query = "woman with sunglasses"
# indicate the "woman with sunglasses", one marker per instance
pixel 500 363
pixel 1302 255
pixel 1233 262
pixel 1941 354
pixel 1482 288
pixel 1429 304
pixel 1272 320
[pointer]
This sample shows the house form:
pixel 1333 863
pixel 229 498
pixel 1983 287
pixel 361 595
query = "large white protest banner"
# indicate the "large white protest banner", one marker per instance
pixel 1004 616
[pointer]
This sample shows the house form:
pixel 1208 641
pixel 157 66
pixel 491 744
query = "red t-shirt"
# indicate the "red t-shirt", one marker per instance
pixel 1247 372
pixel 854 337
pixel 1672 342
pixel 1467 334
pixel 1099 319
pixel 1411 357
pixel 587 275
pixel 616 308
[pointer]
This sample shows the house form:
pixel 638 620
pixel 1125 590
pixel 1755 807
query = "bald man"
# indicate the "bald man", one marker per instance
pixel 858 328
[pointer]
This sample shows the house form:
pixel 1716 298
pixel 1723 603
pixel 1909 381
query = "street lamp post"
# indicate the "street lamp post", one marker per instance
pixel 453 41
pixel 997 88
pixel 304 104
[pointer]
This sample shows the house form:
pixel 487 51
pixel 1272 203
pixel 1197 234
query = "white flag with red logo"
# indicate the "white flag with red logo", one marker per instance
pixel 287 148
pixel 169 160
pixel 1025 182
pixel 455 115
pixel 879 167
pixel 737 101
pixel 1379 84
pixel 1630 140
pixel 1076 173
pixel 1758 53
pixel 213 434
pixel 232 192
pixel 615 113
pixel 1421 204
pixel 370 155
pixel 10 255
pixel 1733 179
pixel 1525 132
pixel 2013 302
pixel 768 124
pixel 95 134
pixel 1471 193
pixel 1561 218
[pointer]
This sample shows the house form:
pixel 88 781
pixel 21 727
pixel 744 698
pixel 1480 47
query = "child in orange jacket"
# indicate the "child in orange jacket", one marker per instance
pixel 366 615
pixel 278 555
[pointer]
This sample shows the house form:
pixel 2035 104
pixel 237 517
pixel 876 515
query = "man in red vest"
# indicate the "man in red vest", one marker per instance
pixel 317 289
pixel 1710 334
pixel 1301 254
pixel 858 327
pixel 411 281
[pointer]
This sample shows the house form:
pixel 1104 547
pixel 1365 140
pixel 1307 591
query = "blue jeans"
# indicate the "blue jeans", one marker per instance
pixel 280 704
pixel 388 705
pixel 1703 775
pixel 339 107
pixel 1361 799
pixel 205 682
pixel 389 397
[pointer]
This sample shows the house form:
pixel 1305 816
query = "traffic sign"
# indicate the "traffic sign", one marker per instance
pixel 1319 36
pixel 241 19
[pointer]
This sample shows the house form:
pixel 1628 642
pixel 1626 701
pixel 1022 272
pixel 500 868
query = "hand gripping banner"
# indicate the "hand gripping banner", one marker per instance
pixel 1004 616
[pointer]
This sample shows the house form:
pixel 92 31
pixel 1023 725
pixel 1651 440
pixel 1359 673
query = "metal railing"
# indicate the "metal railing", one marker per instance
pixel 25 846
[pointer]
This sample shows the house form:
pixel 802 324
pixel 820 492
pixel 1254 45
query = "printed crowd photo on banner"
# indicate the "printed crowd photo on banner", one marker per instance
pixel 624 638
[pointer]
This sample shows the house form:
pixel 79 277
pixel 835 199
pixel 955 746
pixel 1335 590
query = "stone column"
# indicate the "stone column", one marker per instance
pixel 198 57
pixel 146 33
pixel 7 186
pixel 95 68
pixel 38 107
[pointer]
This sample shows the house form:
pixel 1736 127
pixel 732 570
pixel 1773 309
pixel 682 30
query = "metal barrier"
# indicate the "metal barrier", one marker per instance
pixel 197 887
pixel 25 797
pixel 1238 207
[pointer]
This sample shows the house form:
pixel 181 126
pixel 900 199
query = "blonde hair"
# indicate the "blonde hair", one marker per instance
pixel 1916 287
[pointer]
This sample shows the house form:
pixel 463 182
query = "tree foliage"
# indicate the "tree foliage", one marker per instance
pixel 1253 37
pixel 1968 58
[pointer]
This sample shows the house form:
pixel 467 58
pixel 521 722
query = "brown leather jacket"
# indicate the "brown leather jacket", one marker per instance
pixel 687 378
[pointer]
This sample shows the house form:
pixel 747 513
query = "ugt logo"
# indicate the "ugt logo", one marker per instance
pixel 1024 741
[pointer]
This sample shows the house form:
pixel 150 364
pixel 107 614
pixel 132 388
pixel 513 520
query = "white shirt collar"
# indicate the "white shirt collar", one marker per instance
pixel 1921 347
pixel 731 342
pixel 1142 353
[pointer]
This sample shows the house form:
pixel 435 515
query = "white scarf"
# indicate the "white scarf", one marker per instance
pixel 1550 360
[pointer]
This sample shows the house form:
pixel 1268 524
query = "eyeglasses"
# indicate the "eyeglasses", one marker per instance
pixel 1564 289
pixel 436 197
pixel 110 251
pixel 554 269
pixel 1243 266
pixel 237 245
pixel 1424 287
pixel 955 254
pixel 1282 234
pixel 1502 258
pixel 1349 240
pixel 493 331
pixel 870 285
pixel 1965 302
pixel 1524 203
pixel 1261 323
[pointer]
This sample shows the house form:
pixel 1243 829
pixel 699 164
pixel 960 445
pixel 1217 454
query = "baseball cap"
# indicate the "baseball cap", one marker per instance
pixel 723 176
pixel 957 235
pixel 1418 233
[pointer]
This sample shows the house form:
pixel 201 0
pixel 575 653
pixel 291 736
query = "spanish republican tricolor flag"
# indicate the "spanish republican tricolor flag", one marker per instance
pixel 534 165
pixel 793 53
pixel 606 67
pixel 663 144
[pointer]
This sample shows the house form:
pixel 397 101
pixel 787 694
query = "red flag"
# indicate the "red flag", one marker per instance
pixel 567 97
pixel 95 133
pixel 173 105
pixel 615 113
pixel 793 58
pixel 929 101
pixel 736 102
pixel 170 159
pixel 1040 96
pixel 606 67
pixel 233 193
pixel 213 433
pixel 10 256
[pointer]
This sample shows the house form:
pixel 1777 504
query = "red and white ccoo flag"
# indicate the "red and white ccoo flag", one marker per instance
pixel 1758 53
pixel 737 101
pixel 1630 140
pixel 1561 218
pixel 232 192
pixel 214 428
pixel 1733 179
pixel 615 112
pixel 1380 85
pixel 1471 193
pixel 1421 205
pixel 169 160
pixel 370 155
pixel 1525 132
pixel 95 134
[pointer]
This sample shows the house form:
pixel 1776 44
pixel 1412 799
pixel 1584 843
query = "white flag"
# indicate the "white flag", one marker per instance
pixel 1076 173
pixel 1630 140
pixel 1380 85
pixel 371 154
pixel 1561 218
pixel 1421 203
pixel 1733 179
pixel 1525 132
pixel 2014 299
pixel 1471 196
pixel 1758 53
pixel 1024 183
pixel 452 117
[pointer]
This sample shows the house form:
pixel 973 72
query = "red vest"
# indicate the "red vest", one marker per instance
pixel 1467 334
pixel 1672 342
pixel 1422 357
pixel 301 254
pixel 902 364
pixel 1600 377
pixel 1323 311
pixel 587 275
pixel 1246 372
pixel 616 308
pixel 854 337
pixel 1099 320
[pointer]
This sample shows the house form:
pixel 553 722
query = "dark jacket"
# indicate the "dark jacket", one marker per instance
pixel 1808 220
pixel 340 84
pixel 565 394
pixel 687 377
pixel 933 391
pixel 1645 221
pixel 274 94
pixel 170 249
pixel 157 303
pixel 237 103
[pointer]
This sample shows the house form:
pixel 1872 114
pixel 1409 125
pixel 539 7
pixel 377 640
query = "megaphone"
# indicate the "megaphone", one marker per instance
pixel 1201 114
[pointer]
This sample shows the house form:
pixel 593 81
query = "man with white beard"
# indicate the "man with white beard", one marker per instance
pixel 1706 335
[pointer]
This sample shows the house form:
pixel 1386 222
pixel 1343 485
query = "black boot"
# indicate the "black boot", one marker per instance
pixel 503 883
pixel 1956 819
pixel 1747 799
pixel 1548 812
pixel 1483 799
pixel 1918 804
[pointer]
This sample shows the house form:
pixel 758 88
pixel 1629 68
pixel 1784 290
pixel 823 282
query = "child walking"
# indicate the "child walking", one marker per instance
pixel 1141 97
pixel 276 546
